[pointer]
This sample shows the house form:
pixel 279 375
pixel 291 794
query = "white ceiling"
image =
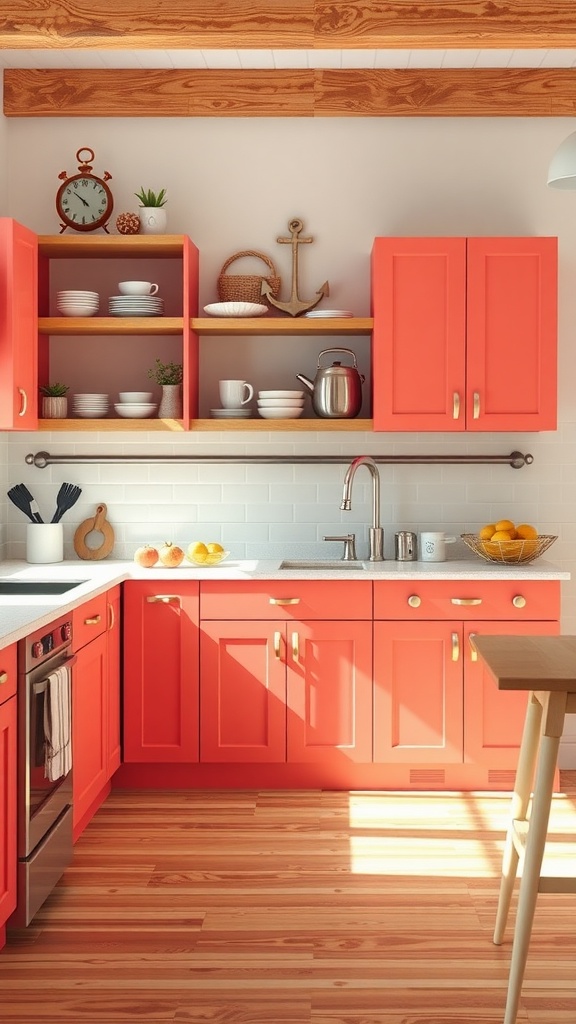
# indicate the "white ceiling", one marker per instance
pixel 278 59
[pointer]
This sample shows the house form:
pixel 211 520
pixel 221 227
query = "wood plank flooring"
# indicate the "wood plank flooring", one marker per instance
pixel 290 908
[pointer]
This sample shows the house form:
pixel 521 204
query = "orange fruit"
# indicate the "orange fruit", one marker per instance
pixel 504 524
pixel 501 535
pixel 526 532
pixel 486 532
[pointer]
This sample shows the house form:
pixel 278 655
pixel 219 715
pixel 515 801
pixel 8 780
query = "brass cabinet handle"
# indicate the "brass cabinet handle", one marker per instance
pixel 23 402
pixel 476 406
pixel 277 643
pixel 162 598
pixel 456 406
pixel 111 616
pixel 519 601
pixel 466 600
pixel 455 647
pixel 473 651
pixel 93 621
pixel 414 601
pixel 3 677
pixel 295 645
pixel 284 600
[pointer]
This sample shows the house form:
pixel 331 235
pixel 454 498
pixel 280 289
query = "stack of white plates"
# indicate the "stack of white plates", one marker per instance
pixel 135 305
pixel 91 406
pixel 77 303
pixel 319 313
pixel 280 405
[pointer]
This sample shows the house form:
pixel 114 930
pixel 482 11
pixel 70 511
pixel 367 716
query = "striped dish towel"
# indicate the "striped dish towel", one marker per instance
pixel 57 725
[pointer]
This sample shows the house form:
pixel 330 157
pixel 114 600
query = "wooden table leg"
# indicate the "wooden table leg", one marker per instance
pixel 519 810
pixel 554 709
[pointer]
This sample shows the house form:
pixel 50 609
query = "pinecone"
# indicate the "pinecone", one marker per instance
pixel 128 223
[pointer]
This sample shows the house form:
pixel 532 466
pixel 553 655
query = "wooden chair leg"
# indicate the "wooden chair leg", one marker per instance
pixel 518 811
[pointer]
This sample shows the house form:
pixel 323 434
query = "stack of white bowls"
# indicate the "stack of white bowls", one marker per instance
pixel 280 405
pixel 75 303
pixel 135 405
pixel 92 407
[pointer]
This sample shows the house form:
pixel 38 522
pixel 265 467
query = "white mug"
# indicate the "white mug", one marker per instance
pixel 137 288
pixel 232 393
pixel 433 546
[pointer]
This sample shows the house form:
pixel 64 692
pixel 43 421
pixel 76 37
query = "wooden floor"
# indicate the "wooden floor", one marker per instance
pixel 290 907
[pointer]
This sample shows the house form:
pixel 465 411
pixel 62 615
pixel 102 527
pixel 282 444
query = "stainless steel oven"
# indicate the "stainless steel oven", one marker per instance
pixel 45 660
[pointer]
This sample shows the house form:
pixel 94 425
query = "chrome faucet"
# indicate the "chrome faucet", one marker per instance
pixel 375 533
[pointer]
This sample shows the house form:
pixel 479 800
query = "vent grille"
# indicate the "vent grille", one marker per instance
pixel 427 777
pixel 503 777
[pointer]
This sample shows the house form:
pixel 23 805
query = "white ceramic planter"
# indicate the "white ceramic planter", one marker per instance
pixel 153 220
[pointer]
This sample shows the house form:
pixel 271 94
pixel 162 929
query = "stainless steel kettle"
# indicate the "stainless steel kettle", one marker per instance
pixel 336 390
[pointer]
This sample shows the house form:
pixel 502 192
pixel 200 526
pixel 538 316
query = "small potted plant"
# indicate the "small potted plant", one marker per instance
pixel 152 215
pixel 54 401
pixel 169 377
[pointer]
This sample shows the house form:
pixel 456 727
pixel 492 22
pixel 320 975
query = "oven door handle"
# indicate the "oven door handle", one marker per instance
pixel 40 686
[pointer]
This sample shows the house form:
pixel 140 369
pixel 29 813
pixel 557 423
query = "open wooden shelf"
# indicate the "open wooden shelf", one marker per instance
pixel 262 325
pixel 91 325
pixel 255 425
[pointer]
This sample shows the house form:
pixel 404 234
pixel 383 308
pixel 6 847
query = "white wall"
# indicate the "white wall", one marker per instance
pixel 234 184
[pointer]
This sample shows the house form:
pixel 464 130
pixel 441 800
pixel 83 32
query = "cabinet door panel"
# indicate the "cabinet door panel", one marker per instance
pixel 418 704
pixel 114 680
pixel 161 665
pixel 242 692
pixel 494 719
pixel 419 309
pixel 89 725
pixel 8 836
pixel 512 333
pixel 330 692
pixel 18 327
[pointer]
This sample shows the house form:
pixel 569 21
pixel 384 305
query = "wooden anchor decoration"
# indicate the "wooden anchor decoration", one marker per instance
pixel 296 305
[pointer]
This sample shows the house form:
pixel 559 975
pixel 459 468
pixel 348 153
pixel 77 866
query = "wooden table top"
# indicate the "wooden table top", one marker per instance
pixel 530 662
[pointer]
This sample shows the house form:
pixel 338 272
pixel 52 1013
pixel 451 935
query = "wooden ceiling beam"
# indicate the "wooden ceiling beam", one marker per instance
pixel 447 92
pixel 287 24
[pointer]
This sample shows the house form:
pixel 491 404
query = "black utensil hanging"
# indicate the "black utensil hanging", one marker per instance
pixel 21 497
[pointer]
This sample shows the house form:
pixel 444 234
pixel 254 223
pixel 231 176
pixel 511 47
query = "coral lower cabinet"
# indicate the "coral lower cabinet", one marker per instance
pixel 95 703
pixel 161 686
pixel 284 674
pixel 8 826
pixel 438 716
pixel 465 334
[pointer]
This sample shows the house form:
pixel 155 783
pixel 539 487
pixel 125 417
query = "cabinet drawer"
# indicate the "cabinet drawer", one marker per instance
pixel 88 621
pixel 286 599
pixel 7 673
pixel 467 599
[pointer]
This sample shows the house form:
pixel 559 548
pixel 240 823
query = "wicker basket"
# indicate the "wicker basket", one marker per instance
pixel 509 551
pixel 247 287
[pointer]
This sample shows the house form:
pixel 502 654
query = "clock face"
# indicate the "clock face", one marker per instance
pixel 84 202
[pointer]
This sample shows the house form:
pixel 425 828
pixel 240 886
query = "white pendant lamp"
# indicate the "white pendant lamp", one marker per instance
pixel 562 170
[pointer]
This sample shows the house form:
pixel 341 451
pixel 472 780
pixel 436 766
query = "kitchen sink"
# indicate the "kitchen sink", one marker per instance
pixel 320 564
pixel 38 588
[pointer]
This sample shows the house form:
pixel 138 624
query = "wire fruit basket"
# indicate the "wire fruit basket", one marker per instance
pixel 509 551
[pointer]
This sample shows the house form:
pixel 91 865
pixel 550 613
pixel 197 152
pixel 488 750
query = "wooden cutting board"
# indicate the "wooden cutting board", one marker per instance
pixel 98 524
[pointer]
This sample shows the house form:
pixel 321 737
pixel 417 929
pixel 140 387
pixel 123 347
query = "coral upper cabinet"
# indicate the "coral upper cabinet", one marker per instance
pixel 18 327
pixel 465 334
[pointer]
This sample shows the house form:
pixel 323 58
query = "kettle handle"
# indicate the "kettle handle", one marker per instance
pixel 348 351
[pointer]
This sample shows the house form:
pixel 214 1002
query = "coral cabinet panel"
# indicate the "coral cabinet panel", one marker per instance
pixel 330 692
pixel 89 727
pixel 161 667
pixel 18 327
pixel 465 334
pixel 114 642
pixel 242 692
pixel 8 827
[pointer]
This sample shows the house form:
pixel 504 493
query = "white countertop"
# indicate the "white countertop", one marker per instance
pixel 20 615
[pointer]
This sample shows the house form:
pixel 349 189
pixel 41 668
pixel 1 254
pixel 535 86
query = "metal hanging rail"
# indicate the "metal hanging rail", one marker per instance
pixel 516 460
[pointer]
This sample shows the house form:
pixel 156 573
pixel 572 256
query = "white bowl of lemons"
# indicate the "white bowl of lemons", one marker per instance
pixel 205 555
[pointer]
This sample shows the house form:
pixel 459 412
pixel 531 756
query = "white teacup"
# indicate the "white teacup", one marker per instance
pixel 234 393
pixel 137 288
pixel 433 546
